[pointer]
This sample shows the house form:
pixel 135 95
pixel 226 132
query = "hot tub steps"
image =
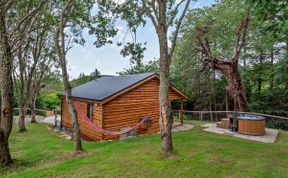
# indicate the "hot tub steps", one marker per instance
pixel 223 124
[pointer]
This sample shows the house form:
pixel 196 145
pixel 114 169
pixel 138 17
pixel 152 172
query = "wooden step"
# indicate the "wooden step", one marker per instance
pixel 223 124
pixel 219 124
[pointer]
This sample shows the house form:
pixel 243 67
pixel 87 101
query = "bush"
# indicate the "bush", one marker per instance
pixel 48 101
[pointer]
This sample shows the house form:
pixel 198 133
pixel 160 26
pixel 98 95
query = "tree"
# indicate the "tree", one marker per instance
pixel 6 87
pixel 262 55
pixel 11 38
pixel 229 67
pixel 222 51
pixel 33 53
pixel 163 14
pixel 59 40
pixel 75 15
pixel 38 83
pixel 188 74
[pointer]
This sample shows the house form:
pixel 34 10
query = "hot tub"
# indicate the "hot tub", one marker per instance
pixel 251 124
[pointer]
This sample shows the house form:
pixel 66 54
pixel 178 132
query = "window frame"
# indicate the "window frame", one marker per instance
pixel 90 108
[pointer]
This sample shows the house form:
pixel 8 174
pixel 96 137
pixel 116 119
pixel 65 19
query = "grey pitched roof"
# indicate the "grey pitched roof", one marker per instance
pixel 104 87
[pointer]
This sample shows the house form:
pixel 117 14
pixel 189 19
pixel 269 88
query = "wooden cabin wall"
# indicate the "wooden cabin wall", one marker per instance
pixel 126 109
pixel 86 130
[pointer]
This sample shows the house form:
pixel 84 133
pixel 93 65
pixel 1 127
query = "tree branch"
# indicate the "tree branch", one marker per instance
pixel 7 5
pixel 149 14
pixel 154 8
pixel 175 12
pixel 179 22
pixel 26 17
pixel 241 37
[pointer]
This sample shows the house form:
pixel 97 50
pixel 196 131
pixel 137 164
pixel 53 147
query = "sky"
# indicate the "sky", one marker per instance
pixel 108 60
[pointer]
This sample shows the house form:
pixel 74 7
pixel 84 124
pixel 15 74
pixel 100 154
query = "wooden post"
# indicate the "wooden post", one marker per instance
pixel 226 103
pixel 235 112
pixel 201 114
pixel 181 113
pixel 55 114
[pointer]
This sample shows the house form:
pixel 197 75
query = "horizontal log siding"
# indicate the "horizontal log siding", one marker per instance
pixel 125 110
pixel 86 131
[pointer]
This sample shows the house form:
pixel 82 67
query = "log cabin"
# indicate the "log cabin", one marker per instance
pixel 117 103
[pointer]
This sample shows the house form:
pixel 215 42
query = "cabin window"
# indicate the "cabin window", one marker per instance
pixel 90 111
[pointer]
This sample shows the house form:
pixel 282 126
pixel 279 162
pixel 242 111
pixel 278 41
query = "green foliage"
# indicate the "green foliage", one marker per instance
pixel 140 67
pixel 135 52
pixel 220 21
pixel 52 83
pixel 42 153
pixel 82 79
pixel 281 73
pixel 80 17
pixel 85 78
pixel 263 66
pixel 48 96
pixel 48 101
pixel 206 87
pixel 273 16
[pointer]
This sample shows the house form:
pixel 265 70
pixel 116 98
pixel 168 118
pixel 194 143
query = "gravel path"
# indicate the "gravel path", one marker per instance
pixel 48 120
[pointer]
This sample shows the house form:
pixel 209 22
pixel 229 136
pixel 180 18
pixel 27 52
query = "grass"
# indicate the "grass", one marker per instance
pixel 194 122
pixel 42 153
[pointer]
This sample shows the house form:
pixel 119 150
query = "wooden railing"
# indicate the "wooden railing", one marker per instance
pixel 279 121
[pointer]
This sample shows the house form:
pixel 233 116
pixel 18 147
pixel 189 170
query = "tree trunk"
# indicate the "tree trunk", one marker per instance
pixel 214 94
pixel 21 122
pixel 76 129
pixel 59 40
pixel 21 90
pixel 226 104
pixel 0 105
pixel 165 121
pixel 235 86
pixel 286 83
pixel 33 111
pixel 211 90
pixel 260 79
pixel 6 93
pixel 165 115
pixel 272 63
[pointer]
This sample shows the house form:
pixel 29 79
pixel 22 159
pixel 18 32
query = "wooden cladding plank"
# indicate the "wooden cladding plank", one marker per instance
pixel 126 109
pixel 86 130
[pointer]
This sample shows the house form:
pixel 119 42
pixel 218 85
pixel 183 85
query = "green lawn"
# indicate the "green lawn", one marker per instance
pixel 41 153
pixel 194 122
